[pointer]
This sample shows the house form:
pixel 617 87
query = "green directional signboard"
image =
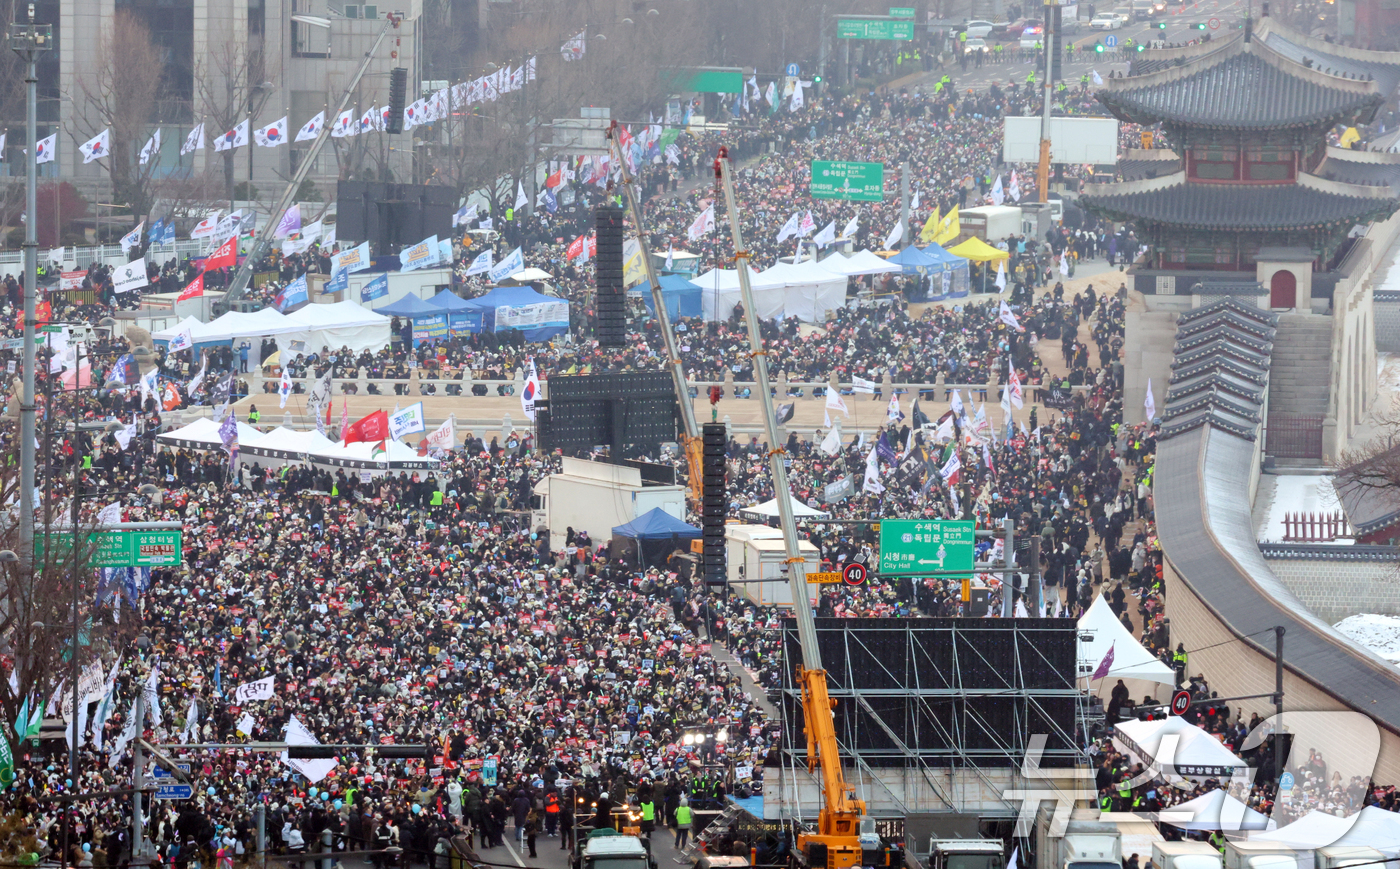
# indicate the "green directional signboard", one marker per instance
pixel 126 548
pixel 901 11
pixel 926 545
pixel 873 28
pixel 864 182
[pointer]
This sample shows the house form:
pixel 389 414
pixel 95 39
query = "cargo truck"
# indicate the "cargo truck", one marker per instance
pixel 1259 855
pixel 1341 856
pixel 1088 842
pixel 1185 855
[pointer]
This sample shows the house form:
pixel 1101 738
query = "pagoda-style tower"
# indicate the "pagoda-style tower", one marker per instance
pixel 1248 118
pixel 1247 199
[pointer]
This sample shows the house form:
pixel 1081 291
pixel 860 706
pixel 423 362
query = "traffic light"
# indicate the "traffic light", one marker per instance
pixel 1161 25
pixel 1200 25
pixel 1139 47
pixel 817 79
pixel 1098 47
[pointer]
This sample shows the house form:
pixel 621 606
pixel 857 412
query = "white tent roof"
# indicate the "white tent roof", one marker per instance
pixel 285 441
pixel 861 262
pixel 1130 659
pixel 770 508
pixel 338 315
pixel 1197 753
pixel 394 451
pixel 190 323
pixel 234 325
pixel 1216 810
pixel 1314 830
pixel 206 431
pixel 1375 827
pixel 728 279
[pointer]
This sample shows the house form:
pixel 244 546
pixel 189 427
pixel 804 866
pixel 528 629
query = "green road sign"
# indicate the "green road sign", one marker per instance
pixel 864 182
pixel 924 546
pixel 901 11
pixel 873 28
pixel 126 548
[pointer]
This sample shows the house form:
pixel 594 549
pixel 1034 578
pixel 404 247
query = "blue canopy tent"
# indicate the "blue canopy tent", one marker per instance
pixel 946 273
pixel 430 322
pixel 463 316
pixel 657 534
pixel 537 316
pixel 681 295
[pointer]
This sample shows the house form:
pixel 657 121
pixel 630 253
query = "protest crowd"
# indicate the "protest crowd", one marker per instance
pixel 552 679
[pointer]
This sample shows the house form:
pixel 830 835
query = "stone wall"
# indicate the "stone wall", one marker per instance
pixel 1340 584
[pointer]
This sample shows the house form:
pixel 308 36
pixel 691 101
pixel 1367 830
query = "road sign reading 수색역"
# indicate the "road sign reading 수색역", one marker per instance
pixel 919 546
pixel 864 182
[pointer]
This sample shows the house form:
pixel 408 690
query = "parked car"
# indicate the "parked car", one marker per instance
pixel 975 46
pixel 1106 21
pixel 1032 38
pixel 978 29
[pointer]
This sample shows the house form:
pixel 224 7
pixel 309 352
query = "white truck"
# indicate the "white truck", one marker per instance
pixel 613 852
pixel 1259 855
pixel 991 223
pixel 1341 856
pixel 1087 843
pixel 967 854
pixel 1185 855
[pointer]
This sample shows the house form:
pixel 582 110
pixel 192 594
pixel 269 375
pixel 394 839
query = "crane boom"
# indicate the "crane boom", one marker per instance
pixel 690 438
pixel 837 842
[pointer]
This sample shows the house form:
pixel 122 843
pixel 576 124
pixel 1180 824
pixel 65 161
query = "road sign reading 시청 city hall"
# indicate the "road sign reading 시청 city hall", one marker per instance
pixel 925 546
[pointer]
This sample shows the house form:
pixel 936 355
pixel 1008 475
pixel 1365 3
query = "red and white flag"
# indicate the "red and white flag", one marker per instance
pixel 703 224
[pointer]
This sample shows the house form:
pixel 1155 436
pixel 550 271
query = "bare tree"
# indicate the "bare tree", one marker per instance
pixel 226 83
pixel 121 95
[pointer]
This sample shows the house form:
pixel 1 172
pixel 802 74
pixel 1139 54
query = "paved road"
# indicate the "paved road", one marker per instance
pixel 1181 21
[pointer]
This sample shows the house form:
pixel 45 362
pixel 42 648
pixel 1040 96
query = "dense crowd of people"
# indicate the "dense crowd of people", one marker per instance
pixel 551 679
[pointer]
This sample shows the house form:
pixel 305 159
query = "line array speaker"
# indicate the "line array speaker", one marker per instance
pixel 714 498
pixel 611 326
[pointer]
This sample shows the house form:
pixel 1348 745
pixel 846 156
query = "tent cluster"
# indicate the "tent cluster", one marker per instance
pixel 343 324
pixel 805 290
pixel 538 317
pixel 307 447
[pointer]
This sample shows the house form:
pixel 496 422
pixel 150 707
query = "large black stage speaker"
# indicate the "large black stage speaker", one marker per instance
pixel 393 216
pixel 952 692
pixel 636 409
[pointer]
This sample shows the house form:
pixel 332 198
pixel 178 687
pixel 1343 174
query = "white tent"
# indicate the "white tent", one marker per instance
pixel 1197 754
pixel 360 454
pixel 719 293
pixel 1216 810
pixel 284 443
pixel 809 290
pixel 770 509
pixel 1130 659
pixel 862 262
pixel 1314 830
pixel 343 324
pixel 203 434
pixel 1375 827
pixel 233 326
pixel 189 323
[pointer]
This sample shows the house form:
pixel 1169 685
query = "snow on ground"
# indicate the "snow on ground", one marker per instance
pixel 1299 493
pixel 1380 634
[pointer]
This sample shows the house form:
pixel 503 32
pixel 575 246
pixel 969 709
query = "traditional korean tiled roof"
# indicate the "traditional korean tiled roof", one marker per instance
pixel 1174 201
pixel 1238 84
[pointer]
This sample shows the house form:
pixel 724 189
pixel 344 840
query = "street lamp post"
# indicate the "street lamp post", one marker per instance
pixel 27 40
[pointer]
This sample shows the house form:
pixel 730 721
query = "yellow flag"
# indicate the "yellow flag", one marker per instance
pixel 930 230
pixel 1351 135
pixel 948 227
pixel 633 269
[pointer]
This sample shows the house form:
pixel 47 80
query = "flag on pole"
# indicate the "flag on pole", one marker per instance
pixel 46 149
pixel 530 393
pixel 272 135
pixel 1149 405
pixel 851 227
pixel 826 236
pixel 521 200
pixel 1013 389
pixel 872 482
pixel 235 138
pixel 1001 275
pixel 97 147
pixel 345 125
pixel 194 141
pixel 998 192
pixel 894 237
pixel 151 148
pixel 1105 665
pixel 1004 315
pixel 290 224
pixel 703 224
pixel 574 49
pixel 789 229
pixel 312 129
pixel 284 389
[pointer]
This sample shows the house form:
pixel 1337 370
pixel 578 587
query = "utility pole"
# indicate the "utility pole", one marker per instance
pixel 1008 557
pixel 138 772
pixel 27 40
pixel 1279 631
pixel 904 238
pixel 1042 174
